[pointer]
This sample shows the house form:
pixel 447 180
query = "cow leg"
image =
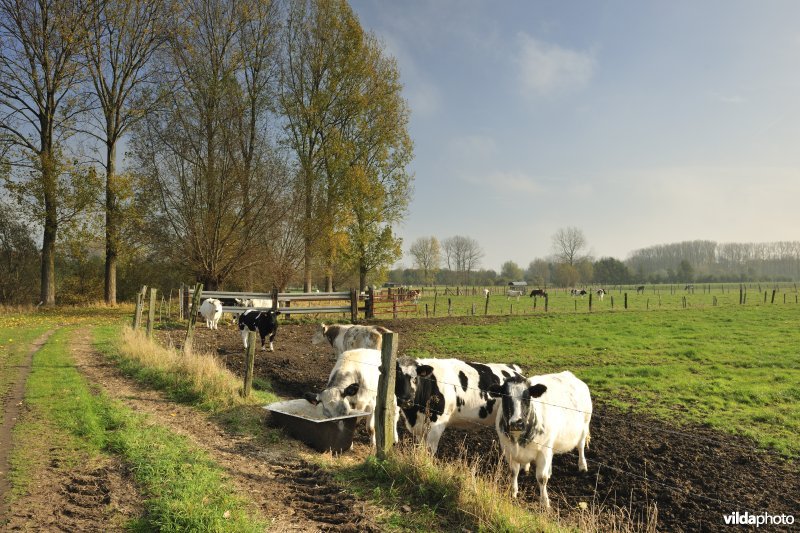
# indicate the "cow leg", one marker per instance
pixel 263 342
pixel 544 465
pixel 582 467
pixel 371 428
pixel 434 434
pixel 514 477
pixel 271 339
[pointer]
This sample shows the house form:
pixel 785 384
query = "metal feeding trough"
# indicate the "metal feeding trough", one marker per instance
pixel 307 423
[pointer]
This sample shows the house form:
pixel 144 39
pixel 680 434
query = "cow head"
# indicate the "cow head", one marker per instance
pixel 518 416
pixel 319 334
pixel 335 400
pixel 406 384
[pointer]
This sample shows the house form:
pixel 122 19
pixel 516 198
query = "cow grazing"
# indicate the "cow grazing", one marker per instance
pixel 211 309
pixel 538 292
pixel 343 337
pixel 435 394
pixel 601 293
pixel 689 287
pixel 512 293
pixel 266 322
pixel 640 289
pixel 353 386
pixel 578 292
pixel 538 417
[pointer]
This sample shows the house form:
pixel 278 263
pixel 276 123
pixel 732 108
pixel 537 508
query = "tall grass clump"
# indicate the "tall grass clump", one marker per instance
pixel 195 377
pixel 473 498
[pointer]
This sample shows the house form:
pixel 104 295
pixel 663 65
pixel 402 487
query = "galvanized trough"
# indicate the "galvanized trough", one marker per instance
pixel 307 423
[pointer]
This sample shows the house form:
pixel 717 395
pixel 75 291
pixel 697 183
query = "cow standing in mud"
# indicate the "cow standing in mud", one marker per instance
pixel 434 394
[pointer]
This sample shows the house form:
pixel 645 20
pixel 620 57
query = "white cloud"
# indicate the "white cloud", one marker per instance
pixel 508 182
pixel 547 68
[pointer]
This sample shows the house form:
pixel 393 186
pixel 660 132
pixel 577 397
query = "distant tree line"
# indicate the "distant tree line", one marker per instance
pixel 685 262
pixel 266 145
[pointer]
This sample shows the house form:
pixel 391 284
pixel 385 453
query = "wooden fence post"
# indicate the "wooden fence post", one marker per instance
pixel 612 301
pixel 180 302
pixel 773 296
pixel 250 358
pixel 353 305
pixel 426 310
pixel 546 302
pixel 626 300
pixel 590 302
pixel 486 305
pixel 370 304
pixel 137 317
pixel 449 306
pixel 151 315
pixel 435 296
pixel 187 344
pixel 384 407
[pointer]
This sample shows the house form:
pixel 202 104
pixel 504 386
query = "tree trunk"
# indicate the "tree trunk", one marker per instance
pixel 48 287
pixel 112 226
pixel 362 277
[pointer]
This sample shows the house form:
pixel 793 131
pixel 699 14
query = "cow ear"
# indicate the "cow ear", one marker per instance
pixel 537 390
pixel 424 371
pixel 311 398
pixel 495 390
pixel 351 390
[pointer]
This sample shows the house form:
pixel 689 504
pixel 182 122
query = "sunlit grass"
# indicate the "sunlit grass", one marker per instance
pixel 736 368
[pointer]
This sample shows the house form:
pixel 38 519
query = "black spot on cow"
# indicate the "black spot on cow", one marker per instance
pixel 462 377
pixel 486 379
pixel 459 402
pixel 506 374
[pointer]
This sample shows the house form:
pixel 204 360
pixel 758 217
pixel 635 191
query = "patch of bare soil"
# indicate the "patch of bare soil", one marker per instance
pixel 291 492
pixel 693 474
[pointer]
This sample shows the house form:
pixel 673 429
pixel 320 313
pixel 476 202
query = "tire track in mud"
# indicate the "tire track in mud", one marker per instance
pixel 292 493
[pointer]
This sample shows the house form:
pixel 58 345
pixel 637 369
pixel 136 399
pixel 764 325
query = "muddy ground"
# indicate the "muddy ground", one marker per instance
pixel 693 475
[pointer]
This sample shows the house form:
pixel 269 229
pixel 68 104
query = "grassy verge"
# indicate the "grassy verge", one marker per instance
pixel 734 368
pixel 198 379
pixel 185 491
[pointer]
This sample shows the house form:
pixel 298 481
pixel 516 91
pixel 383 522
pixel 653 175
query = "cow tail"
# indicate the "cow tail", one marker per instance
pixel 588 438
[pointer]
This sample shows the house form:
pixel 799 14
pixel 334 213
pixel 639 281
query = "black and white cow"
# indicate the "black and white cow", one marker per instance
pixel 343 337
pixel 266 322
pixel 601 293
pixel 353 386
pixel 538 292
pixel 434 394
pixel 578 292
pixel 540 416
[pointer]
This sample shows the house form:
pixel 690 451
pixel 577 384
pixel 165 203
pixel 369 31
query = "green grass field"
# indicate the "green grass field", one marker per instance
pixel 736 368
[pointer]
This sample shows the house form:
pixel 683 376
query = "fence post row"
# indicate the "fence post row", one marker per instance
pixel 137 317
pixel 187 344
pixel 384 406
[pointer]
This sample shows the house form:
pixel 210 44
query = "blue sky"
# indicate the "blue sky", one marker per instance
pixel 640 123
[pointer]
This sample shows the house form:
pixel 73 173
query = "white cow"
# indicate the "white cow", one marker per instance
pixel 343 337
pixel 353 386
pixel 260 303
pixel 435 394
pixel 541 416
pixel 513 294
pixel 211 309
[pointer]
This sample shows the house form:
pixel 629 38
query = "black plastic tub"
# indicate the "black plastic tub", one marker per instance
pixel 306 423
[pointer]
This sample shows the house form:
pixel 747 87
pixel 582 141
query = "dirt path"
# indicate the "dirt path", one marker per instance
pixel 65 489
pixel 295 494
pixel 12 407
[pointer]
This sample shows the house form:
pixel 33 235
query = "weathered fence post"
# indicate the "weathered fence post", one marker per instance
pixel 353 305
pixel 370 303
pixel 773 296
pixel 426 310
pixel 151 315
pixel 137 317
pixel 473 305
pixel 384 407
pixel 765 295
pixel 612 301
pixel 590 302
pixel 249 362
pixel 449 306
pixel 435 297
pixel 546 302
pixel 486 305
pixel 180 302
pixel 626 300
pixel 187 344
